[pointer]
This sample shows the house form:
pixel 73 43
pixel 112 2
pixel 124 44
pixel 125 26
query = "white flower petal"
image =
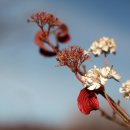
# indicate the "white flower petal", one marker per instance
pixel 103 44
pixel 92 87
pixel 125 90
pixel 105 48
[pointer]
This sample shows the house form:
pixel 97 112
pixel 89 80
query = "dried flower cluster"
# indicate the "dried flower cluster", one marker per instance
pixel 72 57
pixel 49 24
pixel 125 90
pixel 103 45
pixel 96 78
pixel 43 18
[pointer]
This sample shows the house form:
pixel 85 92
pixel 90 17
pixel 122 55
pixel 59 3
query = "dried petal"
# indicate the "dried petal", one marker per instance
pixel 46 53
pixel 64 39
pixel 62 33
pixel 87 101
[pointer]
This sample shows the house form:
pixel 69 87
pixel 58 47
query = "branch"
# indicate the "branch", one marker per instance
pixel 117 109
pixel 111 118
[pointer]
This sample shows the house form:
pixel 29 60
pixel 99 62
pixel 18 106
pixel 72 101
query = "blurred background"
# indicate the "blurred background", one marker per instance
pixel 34 93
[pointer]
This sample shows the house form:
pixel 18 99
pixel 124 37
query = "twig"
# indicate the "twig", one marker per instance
pixel 111 118
pixel 119 111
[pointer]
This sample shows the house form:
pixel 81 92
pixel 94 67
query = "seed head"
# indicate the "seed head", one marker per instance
pixel 43 18
pixel 72 57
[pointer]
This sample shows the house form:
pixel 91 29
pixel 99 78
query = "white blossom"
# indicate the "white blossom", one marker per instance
pixel 103 45
pixel 125 90
pixel 96 78
pixel 93 79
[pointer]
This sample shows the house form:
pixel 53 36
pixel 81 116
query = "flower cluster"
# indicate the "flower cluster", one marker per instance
pixel 96 78
pixel 103 45
pixel 72 57
pixel 125 90
pixel 43 18
pixel 93 79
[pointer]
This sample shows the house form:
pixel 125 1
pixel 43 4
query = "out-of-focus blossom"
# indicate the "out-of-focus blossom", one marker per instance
pixel 43 18
pixel 87 101
pixel 103 45
pixel 72 57
pixel 96 78
pixel 49 24
pixel 125 90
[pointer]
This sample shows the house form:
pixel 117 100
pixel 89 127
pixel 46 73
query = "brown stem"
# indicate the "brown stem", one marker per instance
pixel 57 42
pixel 49 28
pixel 84 69
pixel 118 109
pixel 111 118
pixel 80 72
pixel 53 48
pixel 105 60
pixel 77 76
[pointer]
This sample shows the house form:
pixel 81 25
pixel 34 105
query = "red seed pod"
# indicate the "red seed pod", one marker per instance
pixel 62 34
pixel 40 43
pixel 87 101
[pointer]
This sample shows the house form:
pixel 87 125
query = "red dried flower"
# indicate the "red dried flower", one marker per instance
pixel 49 24
pixel 43 18
pixel 72 57
pixel 87 101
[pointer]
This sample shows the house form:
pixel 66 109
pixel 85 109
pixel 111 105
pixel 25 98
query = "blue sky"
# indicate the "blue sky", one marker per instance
pixel 31 87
